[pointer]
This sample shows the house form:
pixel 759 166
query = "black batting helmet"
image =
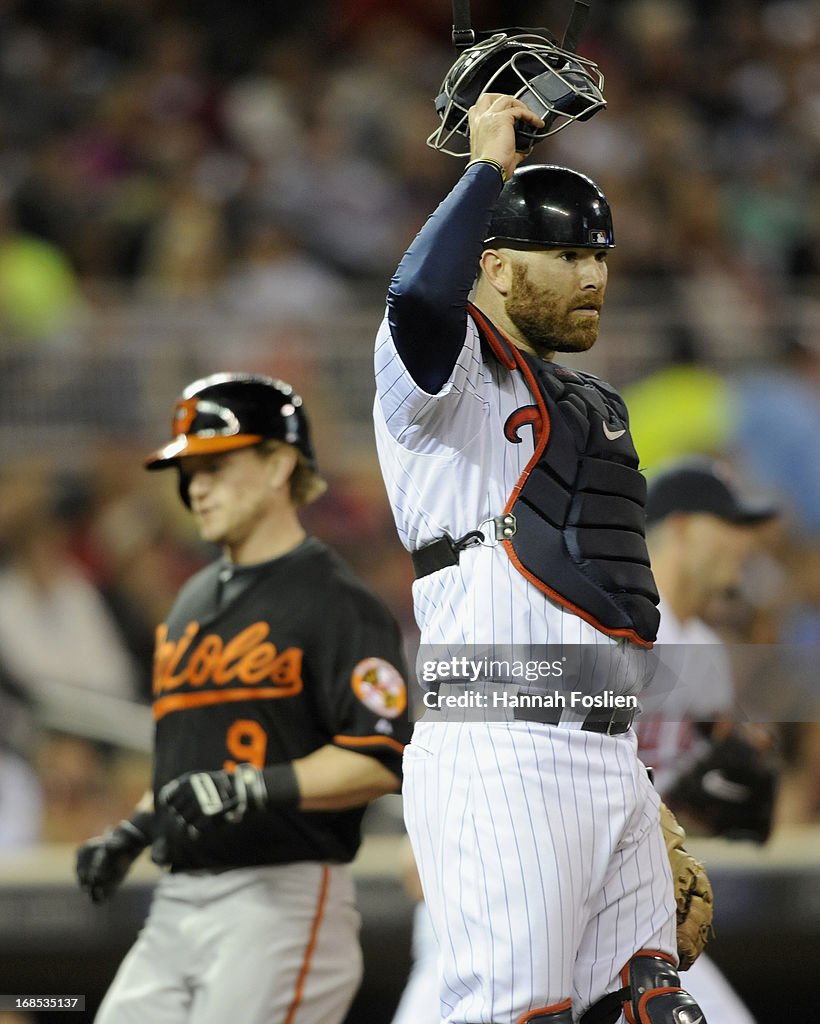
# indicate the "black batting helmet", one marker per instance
pixel 544 205
pixel 554 83
pixel 234 410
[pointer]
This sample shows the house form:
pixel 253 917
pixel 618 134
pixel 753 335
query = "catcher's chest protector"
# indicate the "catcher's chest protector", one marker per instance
pixel 579 504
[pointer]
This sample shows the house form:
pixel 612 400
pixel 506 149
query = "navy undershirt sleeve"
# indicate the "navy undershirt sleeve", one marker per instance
pixel 427 298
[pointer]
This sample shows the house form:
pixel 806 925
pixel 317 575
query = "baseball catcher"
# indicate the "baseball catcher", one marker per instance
pixel 516 489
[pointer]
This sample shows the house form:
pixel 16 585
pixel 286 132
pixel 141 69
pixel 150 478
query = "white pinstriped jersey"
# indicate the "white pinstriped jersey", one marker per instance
pixel 448 467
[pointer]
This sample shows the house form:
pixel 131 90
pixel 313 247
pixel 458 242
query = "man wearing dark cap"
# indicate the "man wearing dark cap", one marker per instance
pixel 279 702
pixel 701 530
pixel 704 486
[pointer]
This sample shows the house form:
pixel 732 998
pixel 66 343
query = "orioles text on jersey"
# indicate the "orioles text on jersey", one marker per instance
pixel 216 670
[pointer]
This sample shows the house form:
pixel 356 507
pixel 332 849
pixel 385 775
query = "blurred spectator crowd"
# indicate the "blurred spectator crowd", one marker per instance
pixel 275 152
pixel 186 187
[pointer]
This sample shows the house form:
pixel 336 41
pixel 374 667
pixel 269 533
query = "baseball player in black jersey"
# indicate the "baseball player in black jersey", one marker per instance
pixel 280 709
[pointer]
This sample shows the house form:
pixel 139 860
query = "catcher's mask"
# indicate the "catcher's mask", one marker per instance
pixel 227 411
pixel 553 82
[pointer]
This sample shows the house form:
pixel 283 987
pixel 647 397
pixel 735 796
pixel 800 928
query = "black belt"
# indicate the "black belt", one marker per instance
pixel 446 551
pixel 613 723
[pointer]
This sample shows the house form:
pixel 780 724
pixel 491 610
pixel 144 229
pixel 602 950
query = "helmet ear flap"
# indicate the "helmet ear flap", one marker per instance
pixel 183 486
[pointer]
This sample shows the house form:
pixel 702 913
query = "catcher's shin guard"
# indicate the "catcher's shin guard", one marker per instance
pixel 655 995
pixel 651 994
pixel 560 1013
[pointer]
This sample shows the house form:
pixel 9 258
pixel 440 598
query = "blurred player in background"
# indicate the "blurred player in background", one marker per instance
pixel 280 711
pixel 537 837
pixel 715 772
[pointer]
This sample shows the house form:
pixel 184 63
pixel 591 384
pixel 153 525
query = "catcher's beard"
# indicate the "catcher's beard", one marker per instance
pixel 544 319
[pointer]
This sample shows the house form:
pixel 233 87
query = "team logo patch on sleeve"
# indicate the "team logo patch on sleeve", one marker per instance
pixel 380 687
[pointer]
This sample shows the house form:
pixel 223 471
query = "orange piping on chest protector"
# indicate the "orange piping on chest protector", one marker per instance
pixel 311 946
pixel 512 360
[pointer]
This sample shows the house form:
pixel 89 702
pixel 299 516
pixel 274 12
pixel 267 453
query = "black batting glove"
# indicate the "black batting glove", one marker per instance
pixel 197 800
pixel 104 861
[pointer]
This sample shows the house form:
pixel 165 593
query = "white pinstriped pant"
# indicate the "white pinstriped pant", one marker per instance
pixel 541 860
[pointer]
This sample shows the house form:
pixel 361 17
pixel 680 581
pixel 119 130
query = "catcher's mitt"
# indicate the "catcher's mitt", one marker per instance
pixel 693 893
pixel 731 791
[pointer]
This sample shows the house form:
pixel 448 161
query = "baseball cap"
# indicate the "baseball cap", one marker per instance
pixel 704 486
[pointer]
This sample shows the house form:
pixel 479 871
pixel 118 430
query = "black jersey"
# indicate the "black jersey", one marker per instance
pixel 265 664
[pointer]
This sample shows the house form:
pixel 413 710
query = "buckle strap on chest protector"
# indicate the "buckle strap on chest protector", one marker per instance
pixel 446 551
